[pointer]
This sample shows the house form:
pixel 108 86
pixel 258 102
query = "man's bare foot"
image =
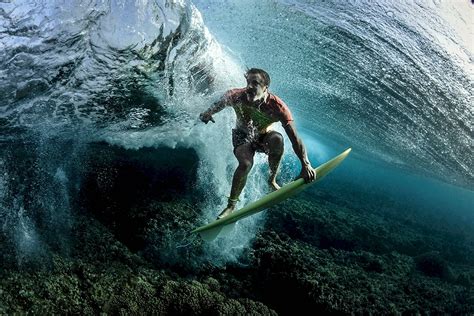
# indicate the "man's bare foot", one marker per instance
pixel 227 211
pixel 273 184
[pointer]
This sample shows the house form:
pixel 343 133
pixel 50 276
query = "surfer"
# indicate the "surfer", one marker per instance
pixel 256 110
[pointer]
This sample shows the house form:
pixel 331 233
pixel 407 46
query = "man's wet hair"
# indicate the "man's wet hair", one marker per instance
pixel 263 73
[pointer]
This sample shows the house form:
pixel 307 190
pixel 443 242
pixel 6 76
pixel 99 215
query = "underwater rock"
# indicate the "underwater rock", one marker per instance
pixel 194 298
pixel 121 184
pixel 464 279
pixel 433 265
pixel 103 276
pixel 325 279
pixel 314 220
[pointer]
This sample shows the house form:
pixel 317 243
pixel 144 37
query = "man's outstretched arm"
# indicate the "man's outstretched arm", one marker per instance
pixel 307 172
pixel 218 106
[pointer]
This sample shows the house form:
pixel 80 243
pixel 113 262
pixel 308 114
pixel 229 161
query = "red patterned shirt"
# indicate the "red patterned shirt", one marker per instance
pixel 258 115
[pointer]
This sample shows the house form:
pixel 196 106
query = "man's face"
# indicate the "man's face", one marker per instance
pixel 255 87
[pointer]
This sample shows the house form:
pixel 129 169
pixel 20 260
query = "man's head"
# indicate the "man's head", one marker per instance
pixel 258 81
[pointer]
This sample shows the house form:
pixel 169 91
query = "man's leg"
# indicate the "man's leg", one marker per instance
pixel 244 154
pixel 274 145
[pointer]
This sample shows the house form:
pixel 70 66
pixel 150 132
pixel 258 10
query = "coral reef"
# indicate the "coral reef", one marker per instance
pixel 316 252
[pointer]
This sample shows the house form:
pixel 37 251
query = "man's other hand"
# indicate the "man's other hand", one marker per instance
pixel 308 173
pixel 206 117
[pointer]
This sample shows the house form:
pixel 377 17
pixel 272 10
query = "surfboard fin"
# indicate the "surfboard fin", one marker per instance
pixel 210 234
pixel 228 228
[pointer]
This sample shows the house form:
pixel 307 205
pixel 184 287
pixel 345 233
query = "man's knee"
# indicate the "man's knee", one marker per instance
pixel 275 143
pixel 245 165
pixel 244 155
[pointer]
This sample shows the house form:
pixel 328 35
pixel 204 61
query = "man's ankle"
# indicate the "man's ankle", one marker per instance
pixel 232 202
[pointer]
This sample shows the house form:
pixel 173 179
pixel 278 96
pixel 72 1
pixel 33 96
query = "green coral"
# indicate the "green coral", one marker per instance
pixel 349 272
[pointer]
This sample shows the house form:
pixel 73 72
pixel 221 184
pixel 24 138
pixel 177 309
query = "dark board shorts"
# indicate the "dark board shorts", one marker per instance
pixel 240 137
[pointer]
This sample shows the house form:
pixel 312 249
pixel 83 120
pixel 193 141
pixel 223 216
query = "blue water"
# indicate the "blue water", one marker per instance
pixel 399 184
pixel 364 73
pixel 391 80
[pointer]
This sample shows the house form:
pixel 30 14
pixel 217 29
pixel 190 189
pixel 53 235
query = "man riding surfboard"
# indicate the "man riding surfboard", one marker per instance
pixel 256 110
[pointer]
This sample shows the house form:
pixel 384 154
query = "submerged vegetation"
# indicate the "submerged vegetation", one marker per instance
pixel 311 252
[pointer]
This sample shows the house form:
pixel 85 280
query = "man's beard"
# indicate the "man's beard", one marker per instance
pixel 252 96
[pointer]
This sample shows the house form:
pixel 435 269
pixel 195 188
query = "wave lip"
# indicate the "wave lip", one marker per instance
pixel 103 62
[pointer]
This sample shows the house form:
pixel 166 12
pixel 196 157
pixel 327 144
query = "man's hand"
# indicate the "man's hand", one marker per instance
pixel 206 117
pixel 308 173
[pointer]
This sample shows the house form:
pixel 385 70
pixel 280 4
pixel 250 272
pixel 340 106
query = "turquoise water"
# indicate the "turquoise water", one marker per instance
pixel 365 74
pixel 372 76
